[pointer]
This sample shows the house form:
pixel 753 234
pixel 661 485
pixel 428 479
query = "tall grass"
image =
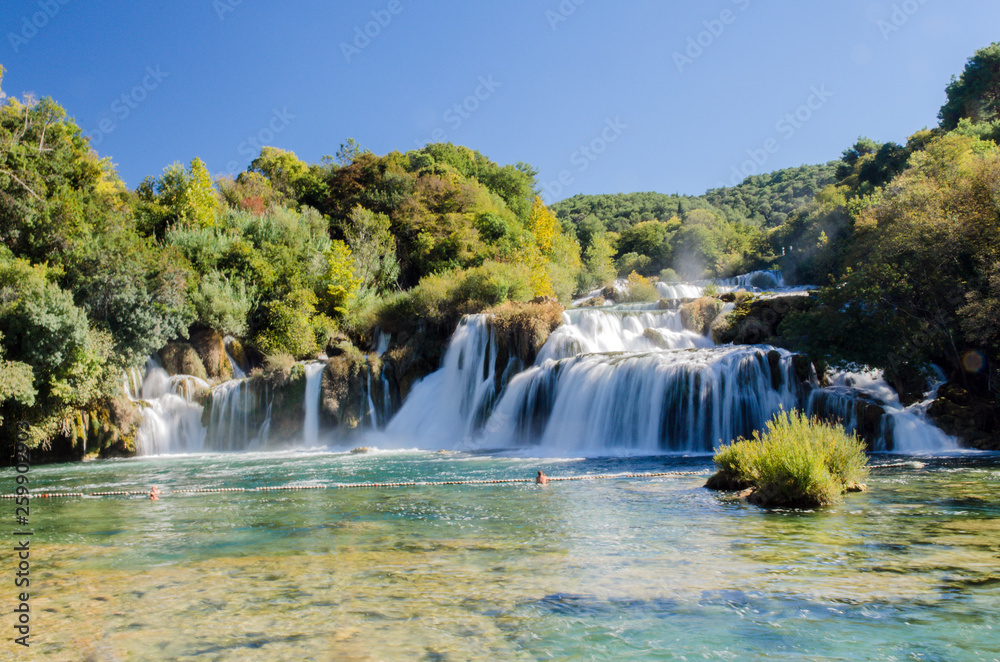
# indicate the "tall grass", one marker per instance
pixel 797 462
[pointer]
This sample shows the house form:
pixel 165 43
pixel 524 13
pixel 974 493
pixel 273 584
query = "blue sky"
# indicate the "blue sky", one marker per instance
pixel 601 97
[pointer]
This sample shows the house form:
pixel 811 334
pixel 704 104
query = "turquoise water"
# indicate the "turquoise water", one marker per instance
pixel 646 569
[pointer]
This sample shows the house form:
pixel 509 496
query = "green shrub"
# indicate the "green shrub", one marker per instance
pixel 493 283
pixel 289 326
pixel 670 276
pixel 223 305
pixel 639 289
pixel 797 463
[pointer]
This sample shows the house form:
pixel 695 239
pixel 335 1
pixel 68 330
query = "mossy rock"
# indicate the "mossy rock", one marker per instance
pixel 211 349
pixel 973 419
pixel 755 321
pixel 180 358
pixel 698 315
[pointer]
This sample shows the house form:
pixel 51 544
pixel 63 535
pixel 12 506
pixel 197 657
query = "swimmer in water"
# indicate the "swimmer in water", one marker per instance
pixel 154 494
pixel 541 478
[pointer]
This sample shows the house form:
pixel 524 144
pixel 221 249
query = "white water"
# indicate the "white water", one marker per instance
pixel 590 331
pixel 624 379
pixel 171 420
pixel 241 416
pixel 633 402
pixel 314 387
pixel 909 427
pixel 446 406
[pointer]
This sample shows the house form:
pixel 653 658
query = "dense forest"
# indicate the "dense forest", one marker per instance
pixel 294 259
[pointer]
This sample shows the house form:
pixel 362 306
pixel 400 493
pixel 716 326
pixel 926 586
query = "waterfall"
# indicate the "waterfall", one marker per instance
pixel 865 403
pixel 241 416
pixel 671 400
pixel 589 331
pixel 680 290
pixel 629 379
pixel 171 421
pixel 448 405
pixel 311 403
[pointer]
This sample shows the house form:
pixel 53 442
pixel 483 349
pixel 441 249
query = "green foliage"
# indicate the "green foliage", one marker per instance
pixel 650 239
pixel 373 249
pixel 441 299
pixel 598 264
pixel 639 289
pixel 223 305
pixel 797 462
pixel 289 327
pixel 976 93
pixel 633 263
pixel 921 272
pixel 340 280
pixel 766 201
pixel 187 195
pixel 16 382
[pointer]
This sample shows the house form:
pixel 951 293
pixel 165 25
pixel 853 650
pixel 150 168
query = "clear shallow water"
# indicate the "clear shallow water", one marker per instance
pixel 651 569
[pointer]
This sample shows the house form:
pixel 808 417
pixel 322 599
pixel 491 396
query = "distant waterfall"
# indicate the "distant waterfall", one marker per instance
pixel 314 387
pixel 171 420
pixel 589 331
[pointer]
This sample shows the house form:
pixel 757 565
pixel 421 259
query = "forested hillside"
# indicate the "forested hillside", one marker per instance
pixel 292 259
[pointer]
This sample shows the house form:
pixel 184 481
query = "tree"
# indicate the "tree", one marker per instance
pixel 341 283
pixel 649 238
pixel 373 248
pixel 976 93
pixel 188 194
pixel 598 262
pixel 283 169
pixel 543 224
pixel 921 282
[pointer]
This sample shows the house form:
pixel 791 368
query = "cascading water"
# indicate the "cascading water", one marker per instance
pixel 241 416
pixel 448 405
pixel 171 420
pixel 314 387
pixel 854 398
pixel 589 331
pixel 672 400
pixel 630 379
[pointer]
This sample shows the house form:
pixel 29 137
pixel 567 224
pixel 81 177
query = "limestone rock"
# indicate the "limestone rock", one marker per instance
pixel 180 358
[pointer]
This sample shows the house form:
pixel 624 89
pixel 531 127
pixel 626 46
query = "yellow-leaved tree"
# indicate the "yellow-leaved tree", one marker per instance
pixel 341 282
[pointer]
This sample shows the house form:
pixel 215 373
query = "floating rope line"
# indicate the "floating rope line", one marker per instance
pixel 346 486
